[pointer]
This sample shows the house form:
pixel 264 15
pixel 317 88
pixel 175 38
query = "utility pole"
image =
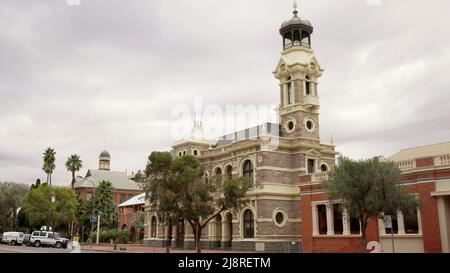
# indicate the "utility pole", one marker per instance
pixel 98 228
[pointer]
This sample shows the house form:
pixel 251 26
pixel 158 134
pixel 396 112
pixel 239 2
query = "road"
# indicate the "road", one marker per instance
pixel 25 249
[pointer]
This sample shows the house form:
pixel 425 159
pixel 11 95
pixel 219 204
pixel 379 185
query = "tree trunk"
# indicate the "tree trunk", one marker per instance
pixel 363 235
pixel 197 238
pixel 73 179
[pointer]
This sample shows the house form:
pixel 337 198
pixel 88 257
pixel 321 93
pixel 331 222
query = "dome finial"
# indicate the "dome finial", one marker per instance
pixel 295 7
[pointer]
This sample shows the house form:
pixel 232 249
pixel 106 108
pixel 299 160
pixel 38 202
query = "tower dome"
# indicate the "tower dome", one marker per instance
pixel 296 31
pixel 105 154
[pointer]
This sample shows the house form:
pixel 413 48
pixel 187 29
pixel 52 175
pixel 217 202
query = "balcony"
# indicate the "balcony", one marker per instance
pixel 310 100
pixel 406 165
pixel 319 177
pixel 443 160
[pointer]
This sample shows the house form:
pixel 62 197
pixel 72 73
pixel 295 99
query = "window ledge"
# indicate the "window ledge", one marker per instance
pixel 402 235
pixel 338 236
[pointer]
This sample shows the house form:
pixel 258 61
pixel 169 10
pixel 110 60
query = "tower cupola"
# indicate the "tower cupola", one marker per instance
pixel 296 31
pixel 104 161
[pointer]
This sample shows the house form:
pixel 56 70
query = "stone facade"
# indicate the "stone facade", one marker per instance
pixel 276 155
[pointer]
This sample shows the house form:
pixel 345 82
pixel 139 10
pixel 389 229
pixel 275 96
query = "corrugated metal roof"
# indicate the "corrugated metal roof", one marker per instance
pixel 421 152
pixel 136 200
pixel 119 180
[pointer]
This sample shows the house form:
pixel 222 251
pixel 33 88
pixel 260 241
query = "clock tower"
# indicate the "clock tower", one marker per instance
pixel 298 72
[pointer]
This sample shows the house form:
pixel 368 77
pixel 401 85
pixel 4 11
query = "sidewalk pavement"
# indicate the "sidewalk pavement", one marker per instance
pixel 143 249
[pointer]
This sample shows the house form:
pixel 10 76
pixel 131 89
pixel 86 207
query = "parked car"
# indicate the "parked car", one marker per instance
pixel 26 239
pixel 48 238
pixel 13 238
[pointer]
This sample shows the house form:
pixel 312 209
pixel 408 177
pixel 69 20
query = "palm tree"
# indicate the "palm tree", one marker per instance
pixel 74 164
pixel 49 163
pixel 104 202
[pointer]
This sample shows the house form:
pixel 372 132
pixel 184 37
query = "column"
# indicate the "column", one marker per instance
pixel 401 223
pixel 345 222
pixel 330 225
pixel 315 220
pixel 419 221
pixel 224 231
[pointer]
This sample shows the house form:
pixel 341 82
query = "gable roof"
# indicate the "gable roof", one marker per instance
pixel 136 200
pixel 422 152
pixel 119 180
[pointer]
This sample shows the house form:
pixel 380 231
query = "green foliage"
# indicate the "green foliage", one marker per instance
pixel 40 209
pixel 178 191
pixel 367 188
pixel 120 236
pixel 11 197
pixel 105 205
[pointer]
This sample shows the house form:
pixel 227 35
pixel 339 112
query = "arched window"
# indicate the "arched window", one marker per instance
pixel 324 168
pixel 206 178
pixel 248 170
pixel 249 224
pixel 229 173
pixel 154 224
pixel 195 152
pixel 307 86
pixel 290 92
pixel 218 177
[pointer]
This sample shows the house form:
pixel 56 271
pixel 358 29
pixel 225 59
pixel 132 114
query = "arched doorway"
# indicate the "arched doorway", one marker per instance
pixel 218 235
pixel 133 234
pixel 228 231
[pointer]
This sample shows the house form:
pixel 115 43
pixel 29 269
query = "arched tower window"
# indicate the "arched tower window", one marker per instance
pixel 249 224
pixel 290 92
pixel 248 170
pixel 308 89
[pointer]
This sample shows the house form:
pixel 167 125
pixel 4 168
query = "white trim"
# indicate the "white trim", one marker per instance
pixel 285 217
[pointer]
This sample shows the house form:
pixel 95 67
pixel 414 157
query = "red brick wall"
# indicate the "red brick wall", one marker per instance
pixel 330 244
pixel 430 218
pixel 424 162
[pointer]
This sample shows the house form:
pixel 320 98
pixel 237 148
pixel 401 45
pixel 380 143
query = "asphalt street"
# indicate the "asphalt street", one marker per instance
pixel 24 249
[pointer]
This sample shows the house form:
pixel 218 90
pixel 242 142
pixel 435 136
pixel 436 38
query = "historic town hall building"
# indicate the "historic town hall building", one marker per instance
pixel 273 156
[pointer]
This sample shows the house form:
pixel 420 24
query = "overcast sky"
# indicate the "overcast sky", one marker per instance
pixel 107 74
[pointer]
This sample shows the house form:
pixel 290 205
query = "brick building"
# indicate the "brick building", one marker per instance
pixel 425 171
pixel 123 187
pixel 272 156
pixel 131 213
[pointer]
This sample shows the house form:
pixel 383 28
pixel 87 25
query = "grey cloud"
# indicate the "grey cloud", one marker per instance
pixel 110 71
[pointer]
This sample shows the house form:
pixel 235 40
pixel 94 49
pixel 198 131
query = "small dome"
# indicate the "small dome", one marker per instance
pixel 105 154
pixel 296 21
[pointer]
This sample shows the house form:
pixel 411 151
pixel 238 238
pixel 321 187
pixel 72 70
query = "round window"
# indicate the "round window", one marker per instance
pixel 309 125
pixel 279 218
pixel 291 125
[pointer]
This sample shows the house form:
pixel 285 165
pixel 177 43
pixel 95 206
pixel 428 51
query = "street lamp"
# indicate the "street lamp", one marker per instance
pixel 93 212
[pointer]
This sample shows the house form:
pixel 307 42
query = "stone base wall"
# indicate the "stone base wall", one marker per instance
pixel 252 246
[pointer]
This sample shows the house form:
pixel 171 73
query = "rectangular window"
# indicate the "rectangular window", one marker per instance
pixel 308 88
pixel 43 234
pixel 355 227
pixel 411 222
pixel 323 226
pixel 337 219
pixel 311 166
pixel 394 226
pixel 289 93
pixel 123 198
